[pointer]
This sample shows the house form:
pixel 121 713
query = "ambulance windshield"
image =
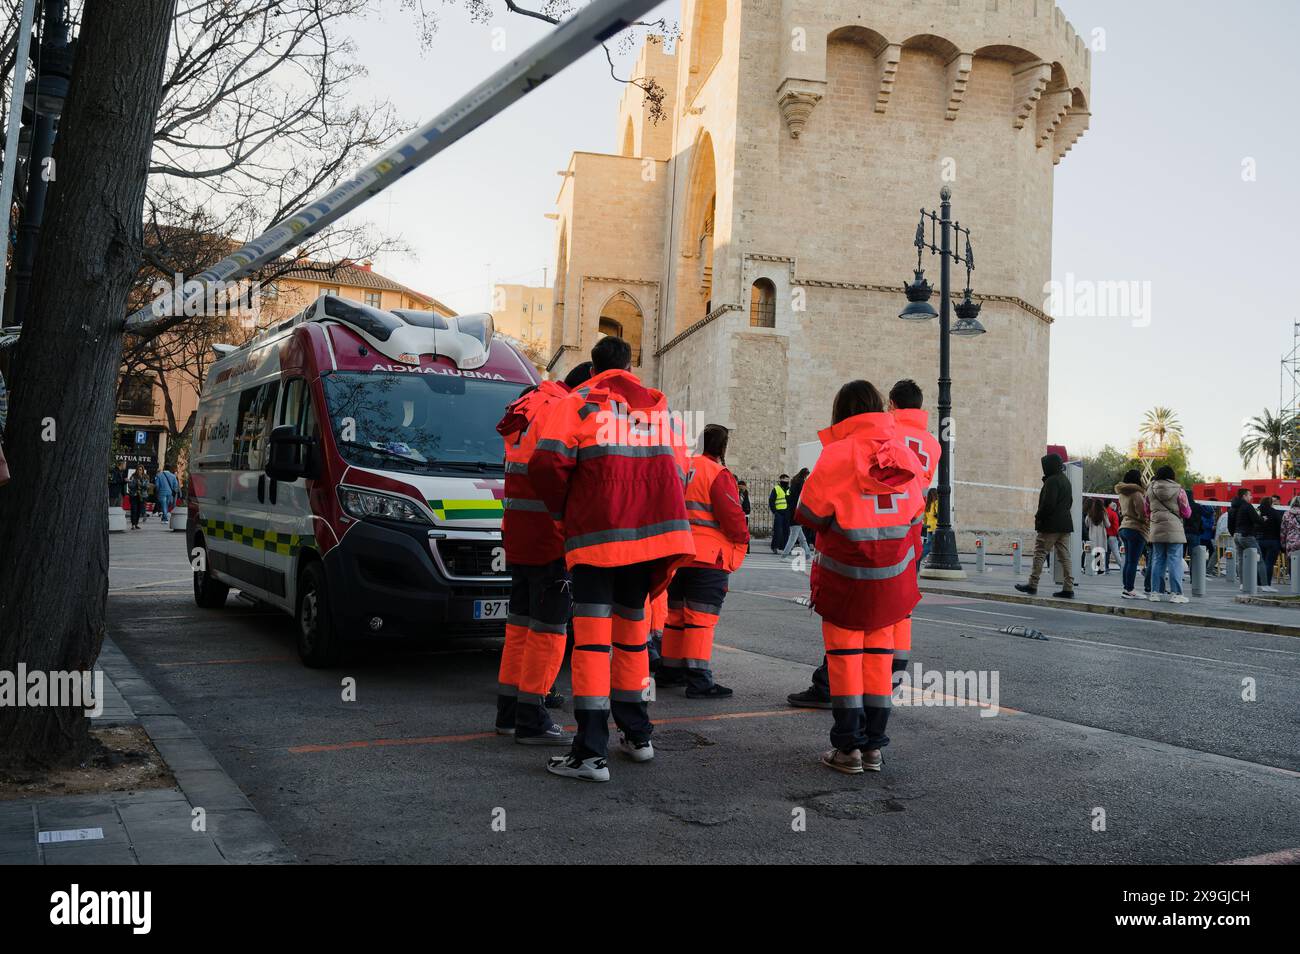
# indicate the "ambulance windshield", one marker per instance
pixel 418 422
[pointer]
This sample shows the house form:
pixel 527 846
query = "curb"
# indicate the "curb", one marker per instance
pixel 241 834
pixel 1133 612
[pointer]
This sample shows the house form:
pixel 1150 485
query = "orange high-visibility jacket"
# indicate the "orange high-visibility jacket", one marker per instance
pixel 717 522
pixel 611 460
pixel 531 533
pixel 862 498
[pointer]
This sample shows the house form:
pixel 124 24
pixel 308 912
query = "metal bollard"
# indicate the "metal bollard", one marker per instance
pixel 1250 571
pixel 1015 557
pixel 1295 573
pixel 979 555
pixel 1198 571
pixel 1229 565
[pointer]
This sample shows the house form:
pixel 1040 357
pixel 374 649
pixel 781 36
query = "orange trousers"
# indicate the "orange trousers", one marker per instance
pixel 860 666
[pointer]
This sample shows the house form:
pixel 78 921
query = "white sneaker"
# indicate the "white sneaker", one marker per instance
pixel 1268 589
pixel 1128 595
pixel 1154 597
pixel 588 770
pixel 1179 598
pixel 636 751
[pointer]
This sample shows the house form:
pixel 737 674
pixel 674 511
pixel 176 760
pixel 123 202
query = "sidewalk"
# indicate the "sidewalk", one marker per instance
pixel 1101 594
pixel 144 827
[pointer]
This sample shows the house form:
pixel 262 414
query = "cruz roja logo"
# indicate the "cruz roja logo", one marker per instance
pixel 76 907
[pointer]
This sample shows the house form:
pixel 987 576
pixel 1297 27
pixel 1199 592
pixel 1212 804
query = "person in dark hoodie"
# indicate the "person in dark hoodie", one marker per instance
pixel 1053 524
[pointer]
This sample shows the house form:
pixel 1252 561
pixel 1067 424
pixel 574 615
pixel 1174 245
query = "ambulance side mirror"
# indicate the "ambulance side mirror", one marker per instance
pixel 289 455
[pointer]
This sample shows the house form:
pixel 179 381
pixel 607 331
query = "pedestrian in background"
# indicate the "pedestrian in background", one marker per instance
pixel 778 501
pixel 1134 530
pixel 139 487
pixel 1222 537
pixel 1246 525
pixel 1270 538
pixel 929 521
pixel 1096 524
pixel 1169 508
pixel 169 488
pixel 1291 530
pixel 745 506
pixel 1053 524
pixel 1112 534
pixel 796 538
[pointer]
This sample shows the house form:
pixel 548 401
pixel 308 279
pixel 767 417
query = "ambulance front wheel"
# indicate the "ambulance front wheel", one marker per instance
pixel 319 643
pixel 209 593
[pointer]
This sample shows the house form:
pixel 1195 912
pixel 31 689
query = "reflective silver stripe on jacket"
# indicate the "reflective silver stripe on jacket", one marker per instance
pixel 523 503
pixel 624 535
pixel 866 572
pixel 623 450
pixel 557 447
pixel 516 467
pixel 872 534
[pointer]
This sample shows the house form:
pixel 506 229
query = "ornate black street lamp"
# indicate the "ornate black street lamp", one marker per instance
pixel 943 560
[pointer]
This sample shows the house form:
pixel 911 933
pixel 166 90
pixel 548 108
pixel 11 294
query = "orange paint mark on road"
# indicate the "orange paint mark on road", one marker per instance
pixel 227 662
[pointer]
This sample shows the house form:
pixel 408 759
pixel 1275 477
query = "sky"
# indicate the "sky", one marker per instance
pixel 1182 189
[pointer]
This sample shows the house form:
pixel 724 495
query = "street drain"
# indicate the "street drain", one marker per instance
pixel 679 740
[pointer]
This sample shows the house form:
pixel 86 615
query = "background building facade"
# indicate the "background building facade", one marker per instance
pixel 762 231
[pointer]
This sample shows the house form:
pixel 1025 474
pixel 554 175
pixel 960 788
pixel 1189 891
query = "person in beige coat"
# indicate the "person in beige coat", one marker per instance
pixel 1169 508
pixel 1134 529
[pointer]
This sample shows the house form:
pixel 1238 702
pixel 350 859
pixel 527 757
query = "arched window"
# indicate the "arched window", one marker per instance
pixel 610 328
pixel 762 304
pixel 622 318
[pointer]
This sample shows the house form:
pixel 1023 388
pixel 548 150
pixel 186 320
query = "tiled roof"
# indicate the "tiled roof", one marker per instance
pixel 353 276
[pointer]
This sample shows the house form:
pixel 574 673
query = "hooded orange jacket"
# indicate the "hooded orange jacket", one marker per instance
pixel 613 463
pixel 532 535
pixel 862 498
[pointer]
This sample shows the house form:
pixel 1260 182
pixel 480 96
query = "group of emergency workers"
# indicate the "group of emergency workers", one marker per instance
pixel 615 533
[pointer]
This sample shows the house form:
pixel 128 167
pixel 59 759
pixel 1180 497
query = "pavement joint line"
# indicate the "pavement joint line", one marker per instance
pixel 1133 612
pixel 142 586
pixel 1140 650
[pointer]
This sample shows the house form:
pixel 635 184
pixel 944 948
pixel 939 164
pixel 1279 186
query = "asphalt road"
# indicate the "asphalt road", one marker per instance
pixel 1138 725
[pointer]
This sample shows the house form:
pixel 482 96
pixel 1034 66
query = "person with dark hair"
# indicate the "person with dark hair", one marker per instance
pixel 538 619
pixel 1095 524
pixel 905 402
pixel 862 498
pixel 612 464
pixel 1270 539
pixel 1134 530
pixel 1246 526
pixel 778 501
pixel 1169 508
pixel 1053 524
pixel 796 537
pixel 745 506
pixel 697 591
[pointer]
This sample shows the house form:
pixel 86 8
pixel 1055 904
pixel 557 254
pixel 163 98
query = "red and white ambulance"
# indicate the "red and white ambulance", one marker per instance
pixel 346 468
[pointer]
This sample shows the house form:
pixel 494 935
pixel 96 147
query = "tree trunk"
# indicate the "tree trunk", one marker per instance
pixel 53 515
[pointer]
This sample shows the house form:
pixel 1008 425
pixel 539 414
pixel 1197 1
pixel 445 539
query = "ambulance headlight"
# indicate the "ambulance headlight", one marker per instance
pixel 367 503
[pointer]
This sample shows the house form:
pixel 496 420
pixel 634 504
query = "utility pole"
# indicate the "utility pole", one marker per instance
pixel 23 44
pixel 54 69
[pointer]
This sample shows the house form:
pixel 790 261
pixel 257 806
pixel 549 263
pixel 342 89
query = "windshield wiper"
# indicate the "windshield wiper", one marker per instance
pixel 468 464
pixel 385 452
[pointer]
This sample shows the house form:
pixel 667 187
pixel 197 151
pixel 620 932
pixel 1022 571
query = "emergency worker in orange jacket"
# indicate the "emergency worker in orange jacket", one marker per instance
pixel 614 464
pixel 696 592
pixel 862 498
pixel 536 627
pixel 905 403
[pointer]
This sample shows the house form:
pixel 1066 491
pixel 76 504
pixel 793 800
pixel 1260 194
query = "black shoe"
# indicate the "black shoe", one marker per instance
pixel 1026 588
pixel 553 700
pixel 1064 595
pixel 809 699
pixel 714 691
pixel 667 678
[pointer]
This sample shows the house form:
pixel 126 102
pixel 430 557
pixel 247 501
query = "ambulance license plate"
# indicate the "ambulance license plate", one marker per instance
pixel 491 609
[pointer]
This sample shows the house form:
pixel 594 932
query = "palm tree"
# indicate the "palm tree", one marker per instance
pixel 1269 435
pixel 1160 424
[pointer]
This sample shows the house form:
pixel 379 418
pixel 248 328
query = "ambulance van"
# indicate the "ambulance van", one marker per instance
pixel 346 469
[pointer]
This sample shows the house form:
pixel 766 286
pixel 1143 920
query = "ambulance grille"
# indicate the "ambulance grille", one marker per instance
pixel 464 558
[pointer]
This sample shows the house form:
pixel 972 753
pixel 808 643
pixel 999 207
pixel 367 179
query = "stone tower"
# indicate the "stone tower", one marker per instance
pixel 753 244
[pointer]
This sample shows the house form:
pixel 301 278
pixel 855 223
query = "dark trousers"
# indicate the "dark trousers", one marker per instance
pixel 1268 551
pixel 137 510
pixel 540 602
pixel 1134 545
pixel 609 617
pixel 780 530
pixel 695 598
